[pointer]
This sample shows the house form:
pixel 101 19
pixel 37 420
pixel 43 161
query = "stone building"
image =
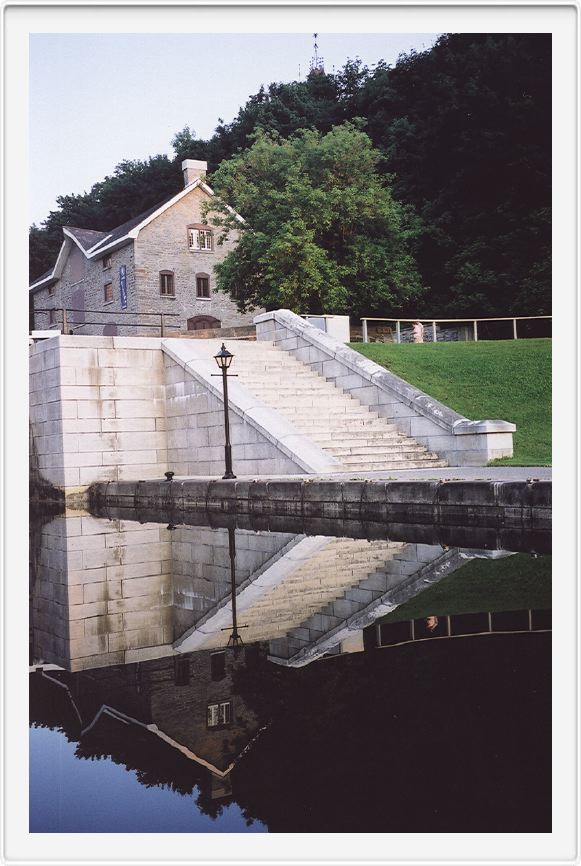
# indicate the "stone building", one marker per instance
pixel 122 281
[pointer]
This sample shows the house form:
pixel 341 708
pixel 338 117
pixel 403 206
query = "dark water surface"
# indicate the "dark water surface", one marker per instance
pixel 388 685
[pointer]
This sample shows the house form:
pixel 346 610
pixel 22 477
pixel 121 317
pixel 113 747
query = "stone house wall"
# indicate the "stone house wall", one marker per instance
pixel 89 277
pixel 163 245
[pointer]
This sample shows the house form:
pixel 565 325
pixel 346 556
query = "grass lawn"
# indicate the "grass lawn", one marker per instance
pixel 506 379
pixel 517 582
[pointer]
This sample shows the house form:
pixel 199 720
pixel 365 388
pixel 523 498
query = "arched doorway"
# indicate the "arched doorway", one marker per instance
pixel 203 323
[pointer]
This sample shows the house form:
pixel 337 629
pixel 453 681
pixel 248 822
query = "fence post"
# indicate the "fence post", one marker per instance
pixel 365 339
pixel 397 332
pixel 65 327
pixel 475 331
pixel 434 333
pixel 515 336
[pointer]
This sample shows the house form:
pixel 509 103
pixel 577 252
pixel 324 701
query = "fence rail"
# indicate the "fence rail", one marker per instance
pixel 433 322
pixel 69 326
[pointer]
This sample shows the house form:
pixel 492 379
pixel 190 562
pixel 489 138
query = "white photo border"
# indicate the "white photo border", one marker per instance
pixel 19 20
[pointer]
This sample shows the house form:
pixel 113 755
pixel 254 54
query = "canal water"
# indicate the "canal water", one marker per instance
pixel 362 681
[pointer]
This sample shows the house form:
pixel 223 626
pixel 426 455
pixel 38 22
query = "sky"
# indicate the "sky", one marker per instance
pixel 97 99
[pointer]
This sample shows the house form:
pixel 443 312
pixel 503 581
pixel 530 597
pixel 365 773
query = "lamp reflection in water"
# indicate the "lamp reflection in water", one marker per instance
pixel 235 640
pixel 223 359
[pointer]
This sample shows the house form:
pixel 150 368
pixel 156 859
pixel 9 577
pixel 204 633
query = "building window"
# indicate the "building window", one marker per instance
pixel 181 671
pixel 200 238
pixel 166 283
pixel 202 286
pixel 106 261
pixel 52 317
pixel 217 666
pixel 219 715
pixel 107 293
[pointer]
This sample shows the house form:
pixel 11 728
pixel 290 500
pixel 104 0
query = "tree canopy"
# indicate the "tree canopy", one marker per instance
pixel 321 231
pixel 464 133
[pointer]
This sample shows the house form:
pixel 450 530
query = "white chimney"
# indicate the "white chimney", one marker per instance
pixel 193 169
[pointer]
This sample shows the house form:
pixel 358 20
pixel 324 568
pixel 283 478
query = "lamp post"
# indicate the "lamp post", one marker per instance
pixel 223 359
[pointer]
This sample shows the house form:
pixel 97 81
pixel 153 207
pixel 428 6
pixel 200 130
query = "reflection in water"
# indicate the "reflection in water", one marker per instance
pixel 138 656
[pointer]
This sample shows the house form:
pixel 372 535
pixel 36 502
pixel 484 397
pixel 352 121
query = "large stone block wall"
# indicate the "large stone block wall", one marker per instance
pixel 97 409
pixel 458 440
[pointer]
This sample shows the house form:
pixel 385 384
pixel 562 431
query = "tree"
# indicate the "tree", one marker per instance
pixel 322 232
pixel 466 131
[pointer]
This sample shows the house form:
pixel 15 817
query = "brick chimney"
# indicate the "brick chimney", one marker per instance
pixel 193 169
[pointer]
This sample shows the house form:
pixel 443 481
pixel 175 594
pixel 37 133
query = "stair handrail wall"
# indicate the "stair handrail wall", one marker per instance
pixel 457 439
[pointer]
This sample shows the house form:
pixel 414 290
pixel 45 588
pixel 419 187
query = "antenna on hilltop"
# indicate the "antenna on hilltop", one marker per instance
pixel 317 63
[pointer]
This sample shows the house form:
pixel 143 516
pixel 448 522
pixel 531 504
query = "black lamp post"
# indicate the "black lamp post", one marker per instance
pixel 223 360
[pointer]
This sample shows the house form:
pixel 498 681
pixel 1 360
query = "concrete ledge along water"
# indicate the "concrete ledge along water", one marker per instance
pixel 485 503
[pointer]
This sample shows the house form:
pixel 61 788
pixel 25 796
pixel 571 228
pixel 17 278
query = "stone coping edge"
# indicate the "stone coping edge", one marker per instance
pixel 267 421
pixel 421 402
pixel 502 504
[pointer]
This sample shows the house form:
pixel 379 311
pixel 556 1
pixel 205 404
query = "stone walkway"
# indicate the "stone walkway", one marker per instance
pixel 449 473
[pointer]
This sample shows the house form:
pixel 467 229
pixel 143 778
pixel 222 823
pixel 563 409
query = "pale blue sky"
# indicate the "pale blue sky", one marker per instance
pixel 96 99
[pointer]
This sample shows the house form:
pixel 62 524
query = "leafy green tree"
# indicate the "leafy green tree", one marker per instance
pixel 186 146
pixel 466 131
pixel 322 232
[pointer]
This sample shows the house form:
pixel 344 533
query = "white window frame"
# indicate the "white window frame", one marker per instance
pixel 219 715
pixel 200 240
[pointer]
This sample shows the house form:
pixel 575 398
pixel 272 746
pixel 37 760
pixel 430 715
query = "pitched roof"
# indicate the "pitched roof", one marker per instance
pixel 124 229
pixel 43 277
pixel 87 238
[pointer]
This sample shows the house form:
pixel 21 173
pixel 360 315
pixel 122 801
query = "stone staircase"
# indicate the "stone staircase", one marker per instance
pixel 342 426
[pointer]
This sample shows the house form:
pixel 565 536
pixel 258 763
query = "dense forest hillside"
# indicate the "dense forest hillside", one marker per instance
pixel 464 135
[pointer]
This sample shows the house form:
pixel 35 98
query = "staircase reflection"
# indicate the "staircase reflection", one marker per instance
pixel 111 592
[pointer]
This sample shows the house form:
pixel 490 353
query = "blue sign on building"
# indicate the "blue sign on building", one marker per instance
pixel 123 286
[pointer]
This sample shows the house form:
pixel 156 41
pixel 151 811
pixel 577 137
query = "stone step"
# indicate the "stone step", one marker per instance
pixel 378 466
pixel 346 439
pixel 320 419
pixel 311 397
pixel 364 449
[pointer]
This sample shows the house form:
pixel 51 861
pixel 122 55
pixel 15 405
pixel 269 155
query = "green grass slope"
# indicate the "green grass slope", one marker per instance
pixel 506 379
pixel 518 582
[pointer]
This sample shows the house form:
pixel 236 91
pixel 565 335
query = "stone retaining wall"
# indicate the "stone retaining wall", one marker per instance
pixel 97 409
pixel 458 440
pixel 513 506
